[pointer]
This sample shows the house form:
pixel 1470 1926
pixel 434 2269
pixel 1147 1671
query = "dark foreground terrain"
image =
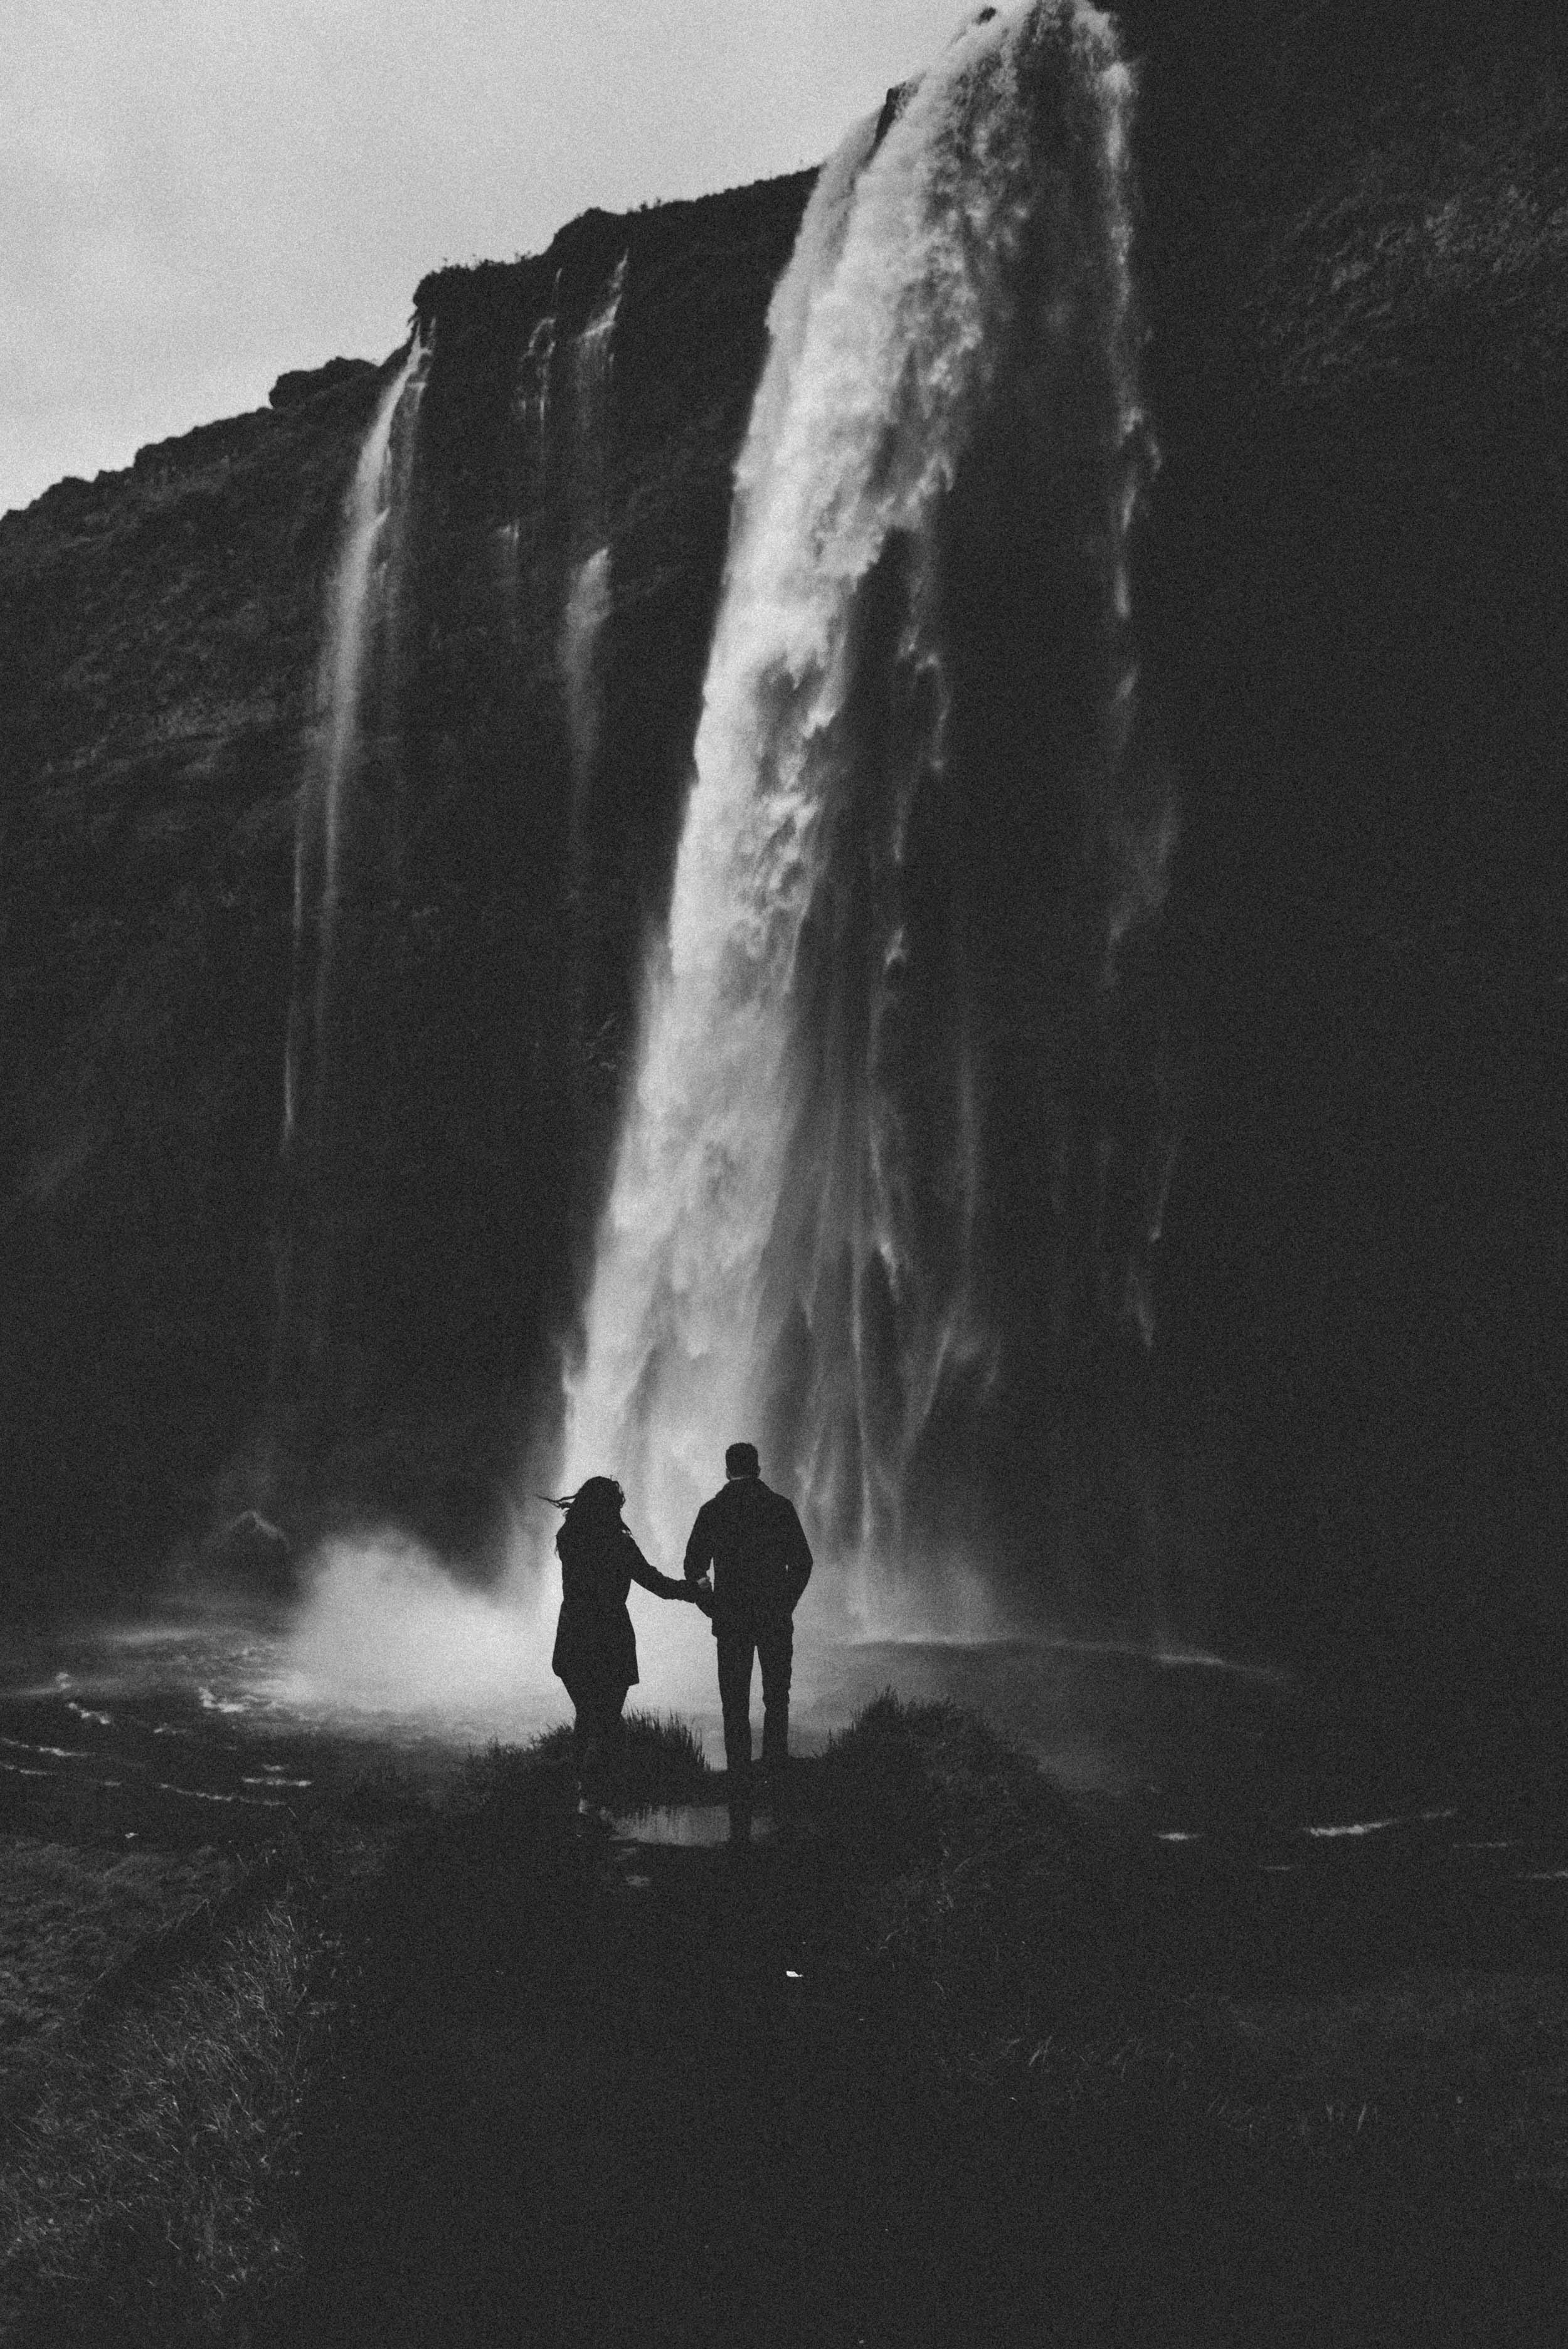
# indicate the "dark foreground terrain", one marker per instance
pixel 939 2059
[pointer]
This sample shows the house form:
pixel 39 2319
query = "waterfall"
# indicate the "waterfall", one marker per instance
pixel 520 566
pixel 588 591
pixel 582 626
pixel 803 1190
pixel 532 403
pixel 360 605
pixel 354 689
pixel 592 361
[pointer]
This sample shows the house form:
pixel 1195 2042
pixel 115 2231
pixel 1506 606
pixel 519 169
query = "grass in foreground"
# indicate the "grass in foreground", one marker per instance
pixel 915 2075
pixel 1019 1948
pixel 662 1761
pixel 66 1914
pixel 144 2197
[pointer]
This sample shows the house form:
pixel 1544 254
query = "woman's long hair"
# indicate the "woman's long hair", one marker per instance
pixel 595 1506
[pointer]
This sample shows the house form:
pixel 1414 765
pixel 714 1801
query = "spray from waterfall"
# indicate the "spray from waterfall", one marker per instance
pixel 790 1248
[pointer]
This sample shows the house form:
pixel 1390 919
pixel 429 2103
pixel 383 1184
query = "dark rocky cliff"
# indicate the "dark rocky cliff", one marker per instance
pixel 1360 606
pixel 160 629
pixel 161 632
pixel 1354 248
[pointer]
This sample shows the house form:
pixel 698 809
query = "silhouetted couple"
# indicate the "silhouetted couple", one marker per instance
pixel 750 1538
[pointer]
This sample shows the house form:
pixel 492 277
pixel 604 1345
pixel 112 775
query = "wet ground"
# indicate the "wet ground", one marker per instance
pixel 173 1733
pixel 631 2089
pixel 614 2064
pixel 1260 1820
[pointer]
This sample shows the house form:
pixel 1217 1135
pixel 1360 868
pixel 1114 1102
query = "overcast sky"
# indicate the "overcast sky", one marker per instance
pixel 196 195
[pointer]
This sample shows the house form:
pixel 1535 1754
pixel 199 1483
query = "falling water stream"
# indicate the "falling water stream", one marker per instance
pixel 587 602
pixel 788 1249
pixel 359 609
pixel 356 684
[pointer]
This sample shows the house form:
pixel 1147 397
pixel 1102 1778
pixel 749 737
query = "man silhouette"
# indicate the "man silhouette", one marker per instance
pixel 751 1537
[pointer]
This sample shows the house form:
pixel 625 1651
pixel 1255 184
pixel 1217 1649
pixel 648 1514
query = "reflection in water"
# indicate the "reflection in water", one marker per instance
pixel 686 1827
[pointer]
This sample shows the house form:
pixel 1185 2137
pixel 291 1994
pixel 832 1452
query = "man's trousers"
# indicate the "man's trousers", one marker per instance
pixel 774 1644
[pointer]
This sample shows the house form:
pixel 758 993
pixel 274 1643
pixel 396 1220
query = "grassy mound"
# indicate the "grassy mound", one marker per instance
pixel 144 2196
pixel 968 1908
pixel 908 2071
pixel 67 1915
pixel 662 1761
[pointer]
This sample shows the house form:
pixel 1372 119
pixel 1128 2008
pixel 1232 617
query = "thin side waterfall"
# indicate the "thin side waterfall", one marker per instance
pixel 357 610
pixel 355 684
pixel 795 1243
pixel 591 366
pixel 518 558
pixel 532 402
pixel 588 591
pixel 582 626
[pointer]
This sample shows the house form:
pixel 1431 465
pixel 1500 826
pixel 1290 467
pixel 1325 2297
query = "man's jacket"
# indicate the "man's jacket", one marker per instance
pixel 751 1537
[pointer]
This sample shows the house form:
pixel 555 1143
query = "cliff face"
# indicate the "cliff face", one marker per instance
pixel 160 630
pixel 525 828
pixel 161 633
pixel 1357 601
pixel 1355 265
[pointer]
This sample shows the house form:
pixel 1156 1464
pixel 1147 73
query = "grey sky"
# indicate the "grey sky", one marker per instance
pixel 196 195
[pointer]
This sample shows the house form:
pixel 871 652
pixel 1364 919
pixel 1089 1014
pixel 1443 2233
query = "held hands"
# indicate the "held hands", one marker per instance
pixel 701 1595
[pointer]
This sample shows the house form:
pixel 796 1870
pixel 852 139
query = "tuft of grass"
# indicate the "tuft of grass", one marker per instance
pixel 386 1794
pixel 662 1761
pixel 969 1919
pixel 145 2196
pixel 1001 1939
pixel 67 1915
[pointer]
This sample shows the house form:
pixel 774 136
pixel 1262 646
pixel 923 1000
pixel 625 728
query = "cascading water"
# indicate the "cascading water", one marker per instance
pixel 519 564
pixel 588 594
pixel 359 600
pixel 355 687
pixel 815 1191
pixel 592 365
pixel 533 403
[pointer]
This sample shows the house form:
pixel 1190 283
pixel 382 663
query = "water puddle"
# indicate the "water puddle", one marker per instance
pixel 686 1827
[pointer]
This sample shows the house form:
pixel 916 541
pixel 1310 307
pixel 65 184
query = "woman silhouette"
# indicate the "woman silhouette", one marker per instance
pixel 595 1647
